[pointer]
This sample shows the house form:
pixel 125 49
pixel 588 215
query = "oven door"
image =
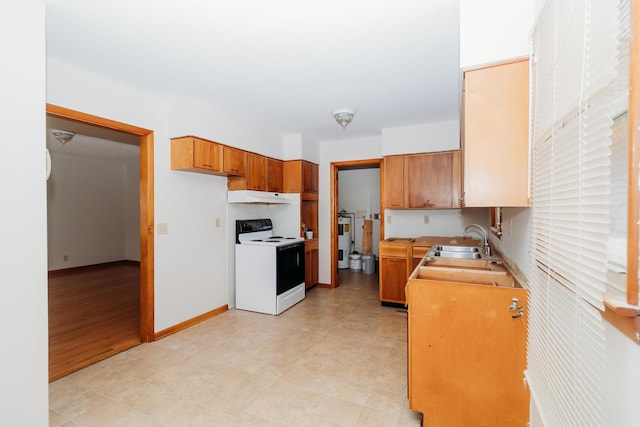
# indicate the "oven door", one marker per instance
pixel 290 266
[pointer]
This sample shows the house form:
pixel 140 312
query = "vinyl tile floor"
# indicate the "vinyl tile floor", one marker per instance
pixel 338 358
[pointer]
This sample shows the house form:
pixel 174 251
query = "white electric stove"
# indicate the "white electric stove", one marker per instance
pixel 269 269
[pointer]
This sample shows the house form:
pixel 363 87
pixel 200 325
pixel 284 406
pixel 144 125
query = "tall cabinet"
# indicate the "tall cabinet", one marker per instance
pixel 301 176
pixel 496 135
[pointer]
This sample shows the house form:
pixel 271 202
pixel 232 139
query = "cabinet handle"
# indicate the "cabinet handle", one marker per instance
pixel 206 165
pixel 429 204
pixel 394 260
pixel 515 307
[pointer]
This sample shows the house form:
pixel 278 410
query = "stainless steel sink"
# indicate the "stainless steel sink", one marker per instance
pixel 449 251
pixel 454 254
pixel 451 248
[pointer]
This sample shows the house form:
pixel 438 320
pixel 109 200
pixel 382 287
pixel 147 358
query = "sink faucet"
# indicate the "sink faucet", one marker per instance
pixel 483 233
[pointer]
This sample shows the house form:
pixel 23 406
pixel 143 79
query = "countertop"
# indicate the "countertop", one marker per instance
pixel 492 270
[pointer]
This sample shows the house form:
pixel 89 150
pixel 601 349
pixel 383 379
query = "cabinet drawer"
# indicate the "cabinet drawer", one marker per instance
pixel 393 250
pixel 420 251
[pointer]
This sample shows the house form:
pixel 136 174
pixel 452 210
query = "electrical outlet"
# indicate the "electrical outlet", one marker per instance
pixel 65 258
pixel 163 228
pixel 426 219
pixel 389 219
pixel 217 222
pixel 509 226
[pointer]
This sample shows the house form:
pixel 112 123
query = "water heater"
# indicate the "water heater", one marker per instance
pixel 344 241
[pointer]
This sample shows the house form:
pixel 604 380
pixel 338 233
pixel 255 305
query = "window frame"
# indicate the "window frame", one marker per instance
pixel 623 311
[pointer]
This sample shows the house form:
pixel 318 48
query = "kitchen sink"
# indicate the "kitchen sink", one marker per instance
pixel 463 249
pixel 450 251
pixel 457 254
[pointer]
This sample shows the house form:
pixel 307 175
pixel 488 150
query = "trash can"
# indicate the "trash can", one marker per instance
pixel 355 263
pixel 368 263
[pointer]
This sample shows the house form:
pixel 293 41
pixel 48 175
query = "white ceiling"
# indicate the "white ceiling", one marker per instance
pixel 289 62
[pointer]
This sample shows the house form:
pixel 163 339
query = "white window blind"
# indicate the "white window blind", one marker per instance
pixel 574 69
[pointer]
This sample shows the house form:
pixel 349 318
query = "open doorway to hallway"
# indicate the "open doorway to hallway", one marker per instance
pixel 100 266
pixel 357 218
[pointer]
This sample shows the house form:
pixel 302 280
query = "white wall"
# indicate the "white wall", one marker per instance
pixel 297 146
pixel 515 243
pixel 191 116
pixel 445 222
pixel 494 30
pixel 359 192
pixel 439 136
pixel 23 237
pixel 93 215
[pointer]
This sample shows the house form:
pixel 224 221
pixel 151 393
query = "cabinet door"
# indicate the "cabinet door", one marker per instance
pixel 495 135
pixel 195 155
pixel 315 184
pixel 467 354
pixel 256 172
pixel 234 161
pixel 206 155
pixel 275 175
pixel 393 277
pixel 394 182
pixel 430 180
pixel 309 177
pixel 311 268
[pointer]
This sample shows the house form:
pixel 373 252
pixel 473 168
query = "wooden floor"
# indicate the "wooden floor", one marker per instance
pixel 94 313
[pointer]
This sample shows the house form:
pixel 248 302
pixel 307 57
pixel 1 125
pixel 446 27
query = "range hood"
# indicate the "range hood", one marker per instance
pixel 260 197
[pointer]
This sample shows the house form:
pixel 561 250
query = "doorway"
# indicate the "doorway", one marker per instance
pixel 144 140
pixel 335 168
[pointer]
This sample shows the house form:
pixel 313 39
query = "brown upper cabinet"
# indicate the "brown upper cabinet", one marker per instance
pixel 275 181
pixel 394 167
pixel 234 161
pixel 190 153
pixel 423 181
pixel 197 155
pixel 301 176
pixel 255 177
pixel 495 135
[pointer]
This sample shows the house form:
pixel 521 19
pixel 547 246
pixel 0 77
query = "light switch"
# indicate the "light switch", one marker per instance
pixel 217 222
pixel 163 228
pixel 388 219
pixel 426 219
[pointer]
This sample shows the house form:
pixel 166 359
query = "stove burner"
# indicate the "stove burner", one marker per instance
pixel 271 240
pixel 256 240
pixel 277 237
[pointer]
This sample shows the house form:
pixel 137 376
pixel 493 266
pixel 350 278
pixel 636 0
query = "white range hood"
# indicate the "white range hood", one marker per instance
pixel 260 197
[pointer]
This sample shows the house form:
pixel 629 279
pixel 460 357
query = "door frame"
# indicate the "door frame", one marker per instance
pixel 335 167
pixel 147 333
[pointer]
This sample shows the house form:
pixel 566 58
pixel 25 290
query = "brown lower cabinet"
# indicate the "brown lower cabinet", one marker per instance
pixel 311 262
pixel 466 354
pixel 394 270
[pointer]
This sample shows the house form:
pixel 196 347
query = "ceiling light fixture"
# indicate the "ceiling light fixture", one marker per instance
pixel 344 116
pixel 63 136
